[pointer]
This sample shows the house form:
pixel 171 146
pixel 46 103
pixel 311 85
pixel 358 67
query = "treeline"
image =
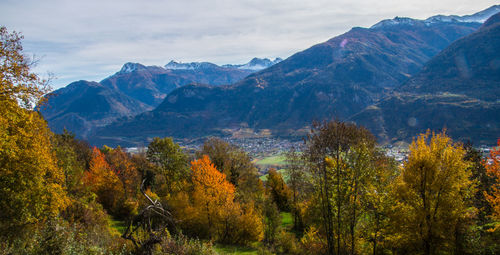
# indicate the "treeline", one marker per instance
pixel 58 195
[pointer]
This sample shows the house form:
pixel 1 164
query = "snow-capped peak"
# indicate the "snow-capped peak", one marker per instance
pixel 173 65
pixel 130 67
pixel 395 21
pixel 256 64
pixel 479 17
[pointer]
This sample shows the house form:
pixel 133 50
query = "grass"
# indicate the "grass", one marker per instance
pixel 234 249
pixel 278 160
pixel 286 220
pixel 118 225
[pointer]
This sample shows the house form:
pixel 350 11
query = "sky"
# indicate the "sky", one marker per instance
pixel 92 39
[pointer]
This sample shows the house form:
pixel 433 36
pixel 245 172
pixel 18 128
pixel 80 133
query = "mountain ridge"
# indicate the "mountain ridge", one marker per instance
pixel 337 78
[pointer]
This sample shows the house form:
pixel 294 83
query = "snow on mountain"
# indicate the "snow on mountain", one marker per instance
pixel 173 65
pixel 255 64
pixel 130 67
pixel 479 17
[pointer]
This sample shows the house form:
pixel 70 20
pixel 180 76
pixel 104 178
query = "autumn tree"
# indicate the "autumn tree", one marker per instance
pixel 278 190
pixel 432 195
pixel 377 203
pixel 236 165
pixel 299 185
pixel 210 211
pixel 102 181
pixel 171 162
pixel 335 155
pixel 121 163
pixel 31 182
pixel 492 165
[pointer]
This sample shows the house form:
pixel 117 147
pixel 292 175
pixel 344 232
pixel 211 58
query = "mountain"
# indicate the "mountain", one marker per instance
pixel 256 64
pixel 82 106
pixel 458 90
pixel 337 78
pixel 150 84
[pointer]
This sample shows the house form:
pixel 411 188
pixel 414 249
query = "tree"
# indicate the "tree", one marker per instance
pixel 236 165
pixel 336 161
pixel 377 202
pixel 432 194
pixel 121 163
pixel 492 165
pixel 278 190
pixel 299 186
pixel 103 181
pixel 31 183
pixel 172 164
pixel 208 209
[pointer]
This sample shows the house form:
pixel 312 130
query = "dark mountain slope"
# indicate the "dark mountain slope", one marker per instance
pixel 459 89
pixel 83 105
pixel 337 78
pixel 150 84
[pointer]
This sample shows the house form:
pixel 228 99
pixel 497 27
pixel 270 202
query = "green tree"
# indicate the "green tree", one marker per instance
pixel 337 161
pixel 171 162
pixel 432 195
pixel 299 186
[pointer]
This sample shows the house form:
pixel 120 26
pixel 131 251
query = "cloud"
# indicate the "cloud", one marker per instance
pixel 92 39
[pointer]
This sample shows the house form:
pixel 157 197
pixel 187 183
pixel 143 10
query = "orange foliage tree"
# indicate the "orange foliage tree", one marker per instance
pixel 492 165
pixel 212 212
pixel 103 181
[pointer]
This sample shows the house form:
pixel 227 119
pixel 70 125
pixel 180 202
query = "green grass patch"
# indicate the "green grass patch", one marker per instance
pixel 118 225
pixel 278 160
pixel 235 249
pixel 286 220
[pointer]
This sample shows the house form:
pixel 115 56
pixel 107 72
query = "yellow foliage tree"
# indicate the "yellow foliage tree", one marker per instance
pixel 31 183
pixel 431 193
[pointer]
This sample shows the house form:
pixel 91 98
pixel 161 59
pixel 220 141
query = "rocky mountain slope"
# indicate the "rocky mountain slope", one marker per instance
pixel 337 78
pixel 459 89
pixel 83 106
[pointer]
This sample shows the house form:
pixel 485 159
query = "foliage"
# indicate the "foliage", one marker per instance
pixel 210 211
pixel 31 182
pixel 17 82
pixel 278 190
pixel 298 183
pixel 339 159
pixel 272 220
pixel 237 166
pixel 181 245
pixel 492 165
pixel 171 163
pixel 103 181
pixel 431 195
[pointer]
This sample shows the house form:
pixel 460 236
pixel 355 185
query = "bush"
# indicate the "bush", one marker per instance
pixel 181 245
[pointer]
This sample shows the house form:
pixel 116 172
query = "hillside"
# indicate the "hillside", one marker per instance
pixel 337 78
pixel 458 90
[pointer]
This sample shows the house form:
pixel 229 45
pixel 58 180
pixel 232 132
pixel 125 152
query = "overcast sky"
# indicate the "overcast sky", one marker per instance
pixel 92 39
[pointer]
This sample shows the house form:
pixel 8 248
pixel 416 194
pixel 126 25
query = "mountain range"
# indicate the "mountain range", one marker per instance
pixel 397 77
pixel 82 106
pixel 458 89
